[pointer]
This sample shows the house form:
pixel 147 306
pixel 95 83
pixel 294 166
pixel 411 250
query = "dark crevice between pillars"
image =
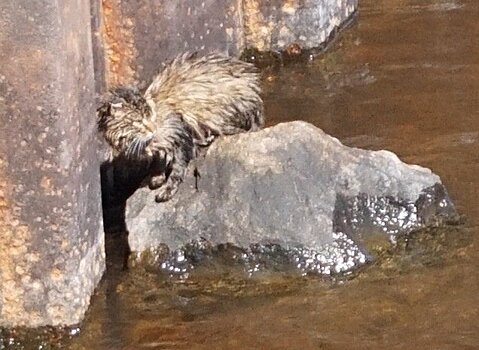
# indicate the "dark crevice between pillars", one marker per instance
pixel 113 196
pixel 119 180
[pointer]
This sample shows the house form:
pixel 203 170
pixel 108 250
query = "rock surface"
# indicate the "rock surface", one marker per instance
pixel 295 186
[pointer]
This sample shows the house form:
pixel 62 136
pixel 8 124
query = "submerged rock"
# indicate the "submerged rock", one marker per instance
pixel 290 190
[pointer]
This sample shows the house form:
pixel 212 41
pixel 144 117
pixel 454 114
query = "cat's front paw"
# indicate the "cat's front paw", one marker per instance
pixel 167 191
pixel 157 181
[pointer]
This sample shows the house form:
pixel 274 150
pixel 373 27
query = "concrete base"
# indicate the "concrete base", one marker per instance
pixel 273 25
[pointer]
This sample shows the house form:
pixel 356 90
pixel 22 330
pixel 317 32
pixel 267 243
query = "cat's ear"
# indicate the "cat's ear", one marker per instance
pixel 103 112
pixel 103 109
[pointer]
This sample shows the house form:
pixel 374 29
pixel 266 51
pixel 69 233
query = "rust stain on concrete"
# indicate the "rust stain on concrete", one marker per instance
pixel 118 38
pixel 256 26
pixel 14 268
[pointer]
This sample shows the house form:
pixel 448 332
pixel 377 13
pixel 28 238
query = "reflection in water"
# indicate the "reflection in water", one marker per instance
pixel 404 78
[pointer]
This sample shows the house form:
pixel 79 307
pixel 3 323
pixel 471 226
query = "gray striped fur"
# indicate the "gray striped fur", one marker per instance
pixel 192 101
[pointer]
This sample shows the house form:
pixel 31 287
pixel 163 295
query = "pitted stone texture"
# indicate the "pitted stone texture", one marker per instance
pixel 281 186
pixel 51 242
pixel 273 25
pixel 141 35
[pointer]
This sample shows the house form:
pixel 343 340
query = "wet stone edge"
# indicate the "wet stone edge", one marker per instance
pixel 294 52
pixel 358 221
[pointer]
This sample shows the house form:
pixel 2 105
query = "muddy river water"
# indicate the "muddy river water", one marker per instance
pixel 403 77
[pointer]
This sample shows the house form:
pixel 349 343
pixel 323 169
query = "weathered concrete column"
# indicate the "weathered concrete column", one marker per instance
pixel 51 239
pixel 141 35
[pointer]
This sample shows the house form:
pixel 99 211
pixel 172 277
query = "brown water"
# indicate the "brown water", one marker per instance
pixel 404 77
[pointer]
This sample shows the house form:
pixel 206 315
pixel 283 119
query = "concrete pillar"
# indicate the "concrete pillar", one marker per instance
pixel 141 35
pixel 51 239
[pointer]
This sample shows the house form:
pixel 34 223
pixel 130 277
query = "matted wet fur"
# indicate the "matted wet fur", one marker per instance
pixel 172 152
pixel 192 101
pixel 217 95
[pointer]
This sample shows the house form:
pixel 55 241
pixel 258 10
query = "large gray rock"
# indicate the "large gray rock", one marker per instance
pixel 295 186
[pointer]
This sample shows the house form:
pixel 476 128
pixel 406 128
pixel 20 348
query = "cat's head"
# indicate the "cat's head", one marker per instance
pixel 126 122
